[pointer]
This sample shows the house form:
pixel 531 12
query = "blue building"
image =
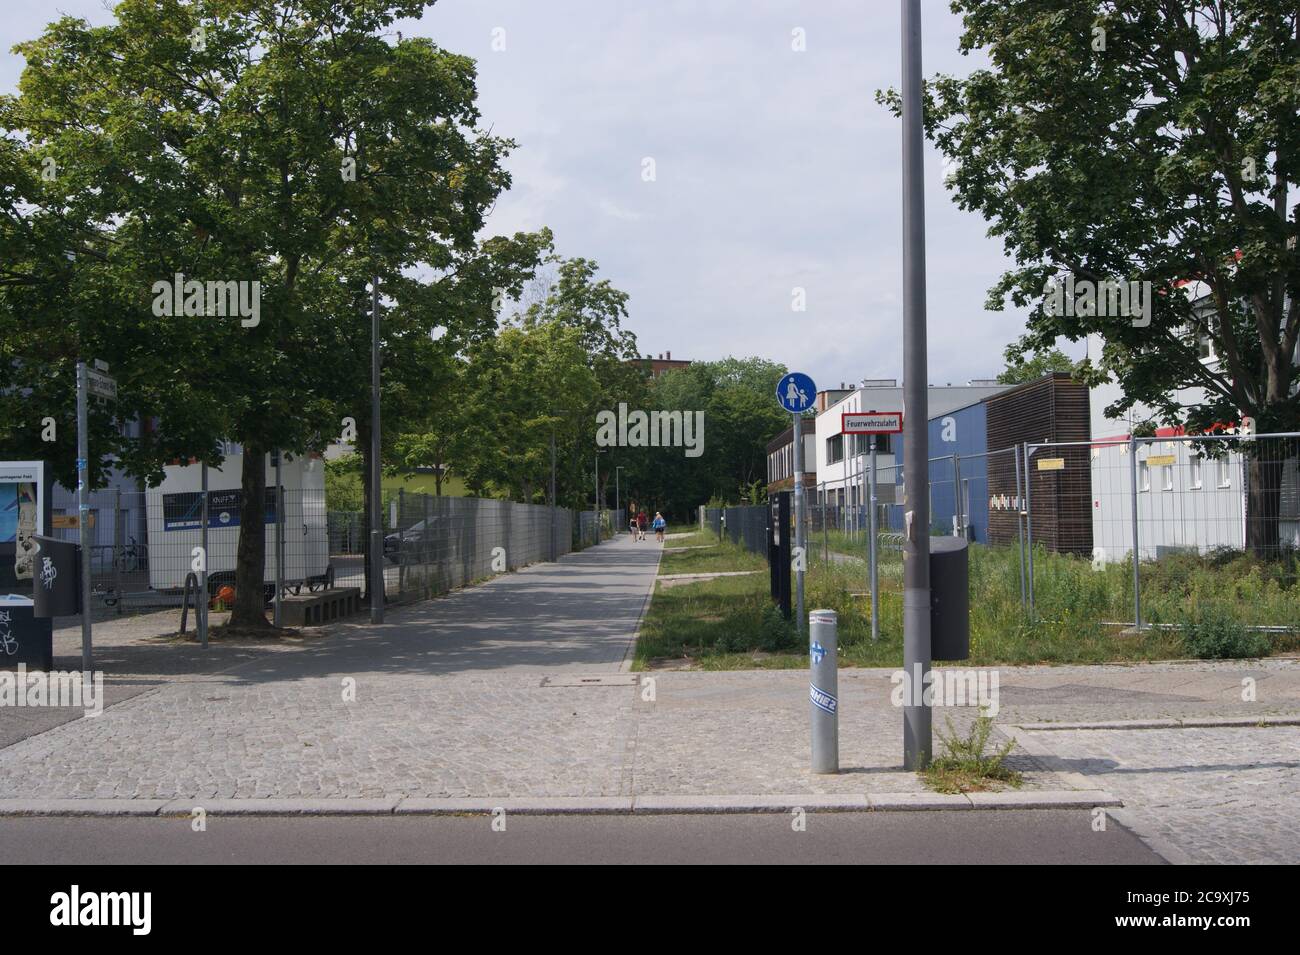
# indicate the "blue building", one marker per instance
pixel 958 474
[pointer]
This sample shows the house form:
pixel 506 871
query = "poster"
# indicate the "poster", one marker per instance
pixel 20 512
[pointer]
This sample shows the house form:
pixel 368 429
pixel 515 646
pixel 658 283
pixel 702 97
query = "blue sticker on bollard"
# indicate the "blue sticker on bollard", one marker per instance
pixel 823 700
pixel 818 652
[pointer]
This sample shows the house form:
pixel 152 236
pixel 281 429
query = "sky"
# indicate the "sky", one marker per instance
pixel 773 170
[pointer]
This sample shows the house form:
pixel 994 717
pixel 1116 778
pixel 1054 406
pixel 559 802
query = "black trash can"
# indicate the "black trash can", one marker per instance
pixel 949 599
pixel 56 585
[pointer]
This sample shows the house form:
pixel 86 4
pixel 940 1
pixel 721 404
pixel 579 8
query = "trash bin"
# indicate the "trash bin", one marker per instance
pixel 56 584
pixel 24 637
pixel 949 599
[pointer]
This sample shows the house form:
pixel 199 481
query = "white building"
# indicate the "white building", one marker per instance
pixel 1186 500
pixel 839 465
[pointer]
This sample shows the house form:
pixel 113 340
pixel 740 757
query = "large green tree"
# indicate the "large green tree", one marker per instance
pixel 1149 141
pixel 293 144
pixel 741 415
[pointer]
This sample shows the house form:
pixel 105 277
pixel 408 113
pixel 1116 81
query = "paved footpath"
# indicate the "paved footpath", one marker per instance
pixel 518 689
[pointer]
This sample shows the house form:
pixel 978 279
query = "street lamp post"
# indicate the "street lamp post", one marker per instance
pixel 917 739
pixel 376 497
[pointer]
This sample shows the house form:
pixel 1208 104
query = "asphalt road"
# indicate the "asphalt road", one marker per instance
pixel 961 837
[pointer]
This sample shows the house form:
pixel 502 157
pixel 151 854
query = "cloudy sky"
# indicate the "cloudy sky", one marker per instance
pixel 774 169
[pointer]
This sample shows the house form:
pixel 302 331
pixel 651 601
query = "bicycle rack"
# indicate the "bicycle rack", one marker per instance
pixel 193 578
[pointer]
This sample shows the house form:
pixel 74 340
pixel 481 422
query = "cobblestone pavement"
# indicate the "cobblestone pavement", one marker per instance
pixel 1221 795
pixel 477 694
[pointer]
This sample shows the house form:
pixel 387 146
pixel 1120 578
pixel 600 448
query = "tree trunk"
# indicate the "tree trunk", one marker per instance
pixel 250 557
pixel 1263 506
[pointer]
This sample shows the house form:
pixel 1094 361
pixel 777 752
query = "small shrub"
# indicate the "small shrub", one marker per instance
pixel 775 632
pixel 1214 634
pixel 964 765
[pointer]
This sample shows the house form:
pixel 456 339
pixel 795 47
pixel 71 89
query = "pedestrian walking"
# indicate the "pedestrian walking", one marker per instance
pixel 659 525
pixel 641 522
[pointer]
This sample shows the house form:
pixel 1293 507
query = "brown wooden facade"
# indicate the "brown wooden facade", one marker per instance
pixel 1053 408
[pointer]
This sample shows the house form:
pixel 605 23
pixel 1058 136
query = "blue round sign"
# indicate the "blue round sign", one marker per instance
pixel 796 392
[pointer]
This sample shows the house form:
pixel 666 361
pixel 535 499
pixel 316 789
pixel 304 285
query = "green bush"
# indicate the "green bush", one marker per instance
pixel 776 634
pixel 1212 633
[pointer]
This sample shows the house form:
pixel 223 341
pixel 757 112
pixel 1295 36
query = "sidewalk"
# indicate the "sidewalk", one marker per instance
pixel 515 691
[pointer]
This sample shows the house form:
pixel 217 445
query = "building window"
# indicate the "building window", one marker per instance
pixel 1144 477
pixel 1205 348
pixel 1196 473
pixel 835 449
pixel 1168 483
pixel 1225 472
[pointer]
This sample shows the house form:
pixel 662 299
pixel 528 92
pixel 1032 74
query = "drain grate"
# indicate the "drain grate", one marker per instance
pixel 597 679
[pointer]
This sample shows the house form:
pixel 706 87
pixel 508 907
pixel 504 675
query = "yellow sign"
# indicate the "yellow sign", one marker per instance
pixel 1161 460
pixel 70 521
pixel 1051 464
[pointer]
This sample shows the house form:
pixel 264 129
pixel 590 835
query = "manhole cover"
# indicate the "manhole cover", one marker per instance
pixel 598 679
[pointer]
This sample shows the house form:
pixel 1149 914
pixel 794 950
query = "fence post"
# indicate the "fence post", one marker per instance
pixel 1029 528
pixel 401 542
pixel 1020 527
pixel 426 540
pixel 279 537
pixel 118 550
pixel 1137 557
pixel 956 498
pixel 875 562
pixel 201 614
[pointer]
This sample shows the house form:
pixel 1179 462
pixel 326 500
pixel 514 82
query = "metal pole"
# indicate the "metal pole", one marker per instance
pixel 202 610
pixel 279 537
pixel 917 729
pixel 83 511
pixel 798 517
pixel 824 690
pixel 597 457
pixel 618 506
pixel 376 496
pixel 1029 529
pixel 1137 573
pixel 118 549
pixel 960 529
pixel 826 537
pixel 554 554
pixel 871 550
pixel 1020 526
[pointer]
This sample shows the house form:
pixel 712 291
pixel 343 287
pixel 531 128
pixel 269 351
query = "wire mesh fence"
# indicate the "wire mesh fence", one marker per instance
pixel 745 525
pixel 1214 523
pixel 145 545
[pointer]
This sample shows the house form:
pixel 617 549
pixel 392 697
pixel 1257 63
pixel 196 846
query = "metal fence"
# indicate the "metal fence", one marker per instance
pixel 744 525
pixel 1214 521
pixel 144 544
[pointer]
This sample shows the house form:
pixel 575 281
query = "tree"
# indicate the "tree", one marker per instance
pixel 741 415
pixel 1020 369
pixel 251 140
pixel 1149 142
pixel 555 364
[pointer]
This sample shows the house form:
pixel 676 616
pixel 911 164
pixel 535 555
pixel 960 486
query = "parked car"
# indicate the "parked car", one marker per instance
pixel 411 538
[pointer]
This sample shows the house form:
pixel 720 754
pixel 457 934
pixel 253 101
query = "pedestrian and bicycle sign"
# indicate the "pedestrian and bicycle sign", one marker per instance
pixel 796 392
pixel 871 422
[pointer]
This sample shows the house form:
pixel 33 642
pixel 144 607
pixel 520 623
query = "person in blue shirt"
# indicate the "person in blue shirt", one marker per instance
pixel 659 525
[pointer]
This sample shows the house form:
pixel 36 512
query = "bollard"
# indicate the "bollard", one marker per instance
pixel 824 690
